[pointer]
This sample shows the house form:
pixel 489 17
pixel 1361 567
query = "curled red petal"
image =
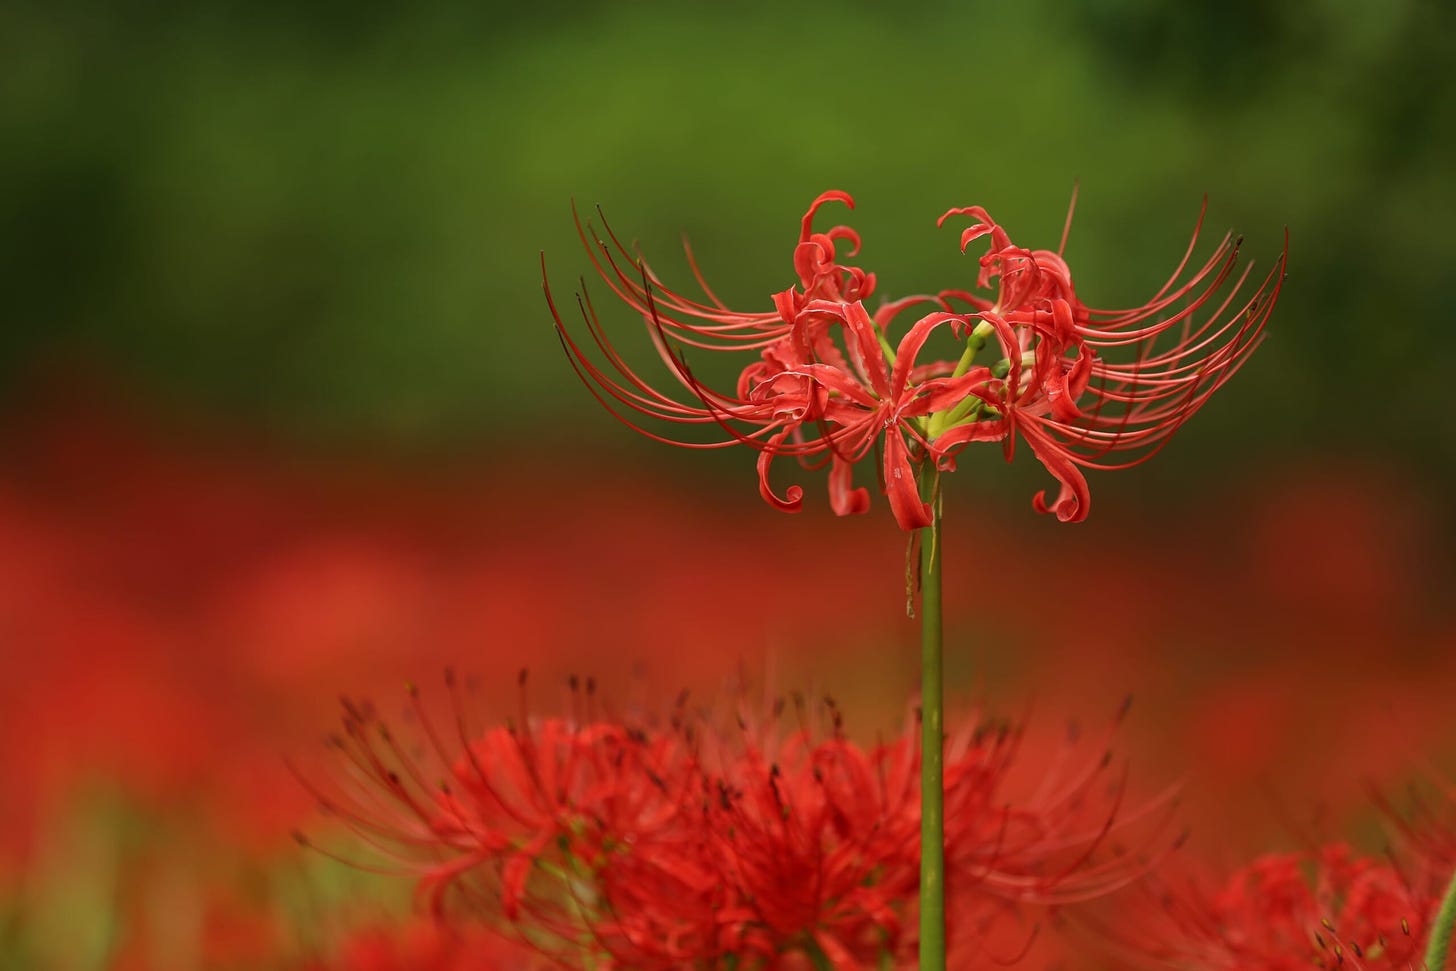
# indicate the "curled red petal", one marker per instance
pixel 1010 349
pixel 811 259
pixel 1074 499
pixel 1081 372
pixel 847 235
pixel 972 234
pixel 844 498
pixel 1064 326
pixel 984 224
pixel 793 497
pixel 975 212
pixel 786 302
pixel 909 349
pixel 1064 408
pixel 833 195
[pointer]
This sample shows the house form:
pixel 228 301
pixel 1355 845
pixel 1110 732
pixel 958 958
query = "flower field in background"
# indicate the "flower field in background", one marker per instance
pixel 178 618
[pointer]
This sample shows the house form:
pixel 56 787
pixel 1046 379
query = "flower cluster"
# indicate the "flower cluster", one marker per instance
pixel 832 385
pixel 1328 908
pixel 605 843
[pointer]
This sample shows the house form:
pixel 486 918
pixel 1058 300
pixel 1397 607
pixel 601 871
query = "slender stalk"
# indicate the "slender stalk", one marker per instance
pixel 817 957
pixel 932 737
pixel 1440 943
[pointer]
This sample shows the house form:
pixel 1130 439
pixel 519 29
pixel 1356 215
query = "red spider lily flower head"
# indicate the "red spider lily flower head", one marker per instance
pixel 529 827
pixel 604 844
pixel 1056 388
pixel 827 387
pixel 815 849
pixel 1053 830
pixel 1327 908
pixel 821 840
pixel 830 387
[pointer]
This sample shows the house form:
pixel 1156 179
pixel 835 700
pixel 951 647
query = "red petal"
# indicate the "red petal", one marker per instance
pixel 1074 499
pixel 833 195
pixel 962 435
pixel 843 497
pixel 900 485
pixel 787 305
pixel 1063 407
pixel 910 346
pixel 865 348
pixel 793 499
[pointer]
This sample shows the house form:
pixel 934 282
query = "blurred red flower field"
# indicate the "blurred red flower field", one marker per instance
pixel 179 616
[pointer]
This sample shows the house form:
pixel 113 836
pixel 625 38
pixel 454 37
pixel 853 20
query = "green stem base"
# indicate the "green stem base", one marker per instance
pixel 1439 945
pixel 932 737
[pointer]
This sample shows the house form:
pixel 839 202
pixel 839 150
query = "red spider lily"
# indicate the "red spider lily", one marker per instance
pixel 1062 844
pixel 824 839
pixel 1055 389
pixel 828 386
pixel 817 856
pixel 543 822
pixel 860 402
pixel 606 845
pixel 810 395
pixel 1284 912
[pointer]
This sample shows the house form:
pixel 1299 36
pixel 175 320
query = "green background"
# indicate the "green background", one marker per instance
pixel 325 220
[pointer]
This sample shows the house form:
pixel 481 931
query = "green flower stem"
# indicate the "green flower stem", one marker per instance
pixel 817 957
pixel 932 736
pixel 943 421
pixel 975 340
pixel 1440 943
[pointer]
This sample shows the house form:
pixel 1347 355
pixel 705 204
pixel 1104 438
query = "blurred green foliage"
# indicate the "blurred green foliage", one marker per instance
pixel 327 217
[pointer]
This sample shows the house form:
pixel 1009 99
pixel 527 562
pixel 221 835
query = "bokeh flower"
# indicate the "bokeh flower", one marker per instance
pixel 763 836
pixel 1326 908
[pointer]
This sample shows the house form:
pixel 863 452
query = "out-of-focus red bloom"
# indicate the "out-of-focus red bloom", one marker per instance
pixel 541 824
pixel 1330 909
pixel 823 842
pixel 617 845
pixel 829 387
pixel 426 946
